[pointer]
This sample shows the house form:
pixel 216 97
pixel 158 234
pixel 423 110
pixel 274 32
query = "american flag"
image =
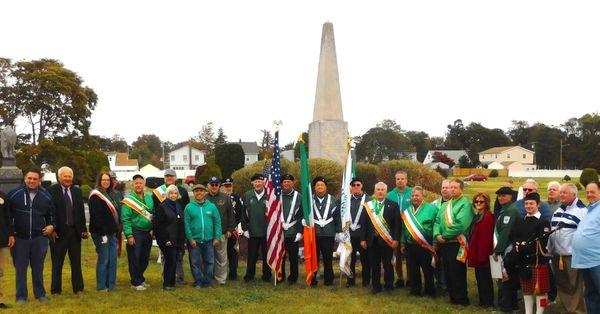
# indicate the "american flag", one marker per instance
pixel 274 206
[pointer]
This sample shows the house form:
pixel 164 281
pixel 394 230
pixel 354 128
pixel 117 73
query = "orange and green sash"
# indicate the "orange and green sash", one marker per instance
pixel 376 215
pixel 415 229
pixel 160 193
pixel 462 240
pixel 137 206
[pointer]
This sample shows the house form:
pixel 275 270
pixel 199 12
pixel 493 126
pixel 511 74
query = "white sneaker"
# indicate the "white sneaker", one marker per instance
pixel 138 288
pixel 145 284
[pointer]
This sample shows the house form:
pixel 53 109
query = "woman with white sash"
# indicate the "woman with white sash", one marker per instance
pixel 104 226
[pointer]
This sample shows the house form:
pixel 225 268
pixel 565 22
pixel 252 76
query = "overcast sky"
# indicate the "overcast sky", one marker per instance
pixel 175 65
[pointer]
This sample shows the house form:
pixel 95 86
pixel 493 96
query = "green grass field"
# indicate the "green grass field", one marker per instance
pixel 236 296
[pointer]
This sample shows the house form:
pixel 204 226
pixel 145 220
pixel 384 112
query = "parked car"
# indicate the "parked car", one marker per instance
pixel 476 177
pixel 190 180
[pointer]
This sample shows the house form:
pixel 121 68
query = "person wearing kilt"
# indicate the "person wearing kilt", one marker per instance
pixel 531 237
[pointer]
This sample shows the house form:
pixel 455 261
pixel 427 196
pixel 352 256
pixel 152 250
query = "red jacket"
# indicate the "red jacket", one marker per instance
pixel 481 244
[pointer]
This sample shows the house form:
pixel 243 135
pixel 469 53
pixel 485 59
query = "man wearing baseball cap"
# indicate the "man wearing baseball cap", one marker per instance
pixel 232 242
pixel 137 214
pixel 225 207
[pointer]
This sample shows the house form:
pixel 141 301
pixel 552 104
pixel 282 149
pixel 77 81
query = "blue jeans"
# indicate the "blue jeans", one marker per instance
pixel 106 266
pixel 202 262
pixel 591 278
pixel 32 252
pixel 138 256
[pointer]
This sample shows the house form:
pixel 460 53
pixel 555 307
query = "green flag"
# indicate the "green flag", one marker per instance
pixel 305 187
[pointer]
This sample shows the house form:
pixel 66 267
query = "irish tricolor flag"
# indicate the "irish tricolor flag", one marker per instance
pixel 310 238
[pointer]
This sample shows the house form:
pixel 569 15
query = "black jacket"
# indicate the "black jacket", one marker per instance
pixel 29 216
pixel 168 225
pixel 102 221
pixel 60 207
pixel 183 200
pixel 5 217
pixel 391 214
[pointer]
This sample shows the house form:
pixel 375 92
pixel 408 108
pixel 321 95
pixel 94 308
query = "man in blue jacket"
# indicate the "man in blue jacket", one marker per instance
pixel 32 220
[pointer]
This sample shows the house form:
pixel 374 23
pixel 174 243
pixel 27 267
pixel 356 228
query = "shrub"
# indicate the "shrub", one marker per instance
pixel 368 173
pixel 579 186
pixel 241 177
pixel 85 191
pixel 567 177
pixel 418 174
pixel 493 173
pixel 588 175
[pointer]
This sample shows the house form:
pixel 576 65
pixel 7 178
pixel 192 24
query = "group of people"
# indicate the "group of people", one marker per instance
pixel 545 249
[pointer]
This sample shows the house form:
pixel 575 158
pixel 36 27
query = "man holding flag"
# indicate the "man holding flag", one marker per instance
pixel 380 235
pixel 417 240
pixel 451 231
pixel 327 219
pixel 357 204
pixel 292 227
pixel 254 221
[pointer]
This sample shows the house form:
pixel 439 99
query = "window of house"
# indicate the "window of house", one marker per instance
pixel 185 158
pixel 172 157
pixel 496 156
pixel 524 156
pixel 507 155
pixel 197 157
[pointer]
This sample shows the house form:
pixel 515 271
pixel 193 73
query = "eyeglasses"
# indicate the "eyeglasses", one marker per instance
pixel 528 190
pixel 356 184
pixel 479 202
pixel 214 184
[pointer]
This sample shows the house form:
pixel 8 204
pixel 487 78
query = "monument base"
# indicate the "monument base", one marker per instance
pixel 10 176
pixel 328 139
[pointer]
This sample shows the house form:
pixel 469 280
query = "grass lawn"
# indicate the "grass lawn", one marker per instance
pixel 236 296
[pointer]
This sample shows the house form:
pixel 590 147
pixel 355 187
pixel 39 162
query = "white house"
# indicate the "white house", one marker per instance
pixel 513 158
pixel 185 157
pixel 123 167
pixel 455 155
pixel 250 151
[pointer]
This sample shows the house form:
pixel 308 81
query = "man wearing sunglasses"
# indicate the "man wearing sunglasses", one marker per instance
pixel 358 216
pixel 530 186
pixel 223 203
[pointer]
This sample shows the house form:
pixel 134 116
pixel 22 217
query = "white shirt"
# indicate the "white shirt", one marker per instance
pixel 568 218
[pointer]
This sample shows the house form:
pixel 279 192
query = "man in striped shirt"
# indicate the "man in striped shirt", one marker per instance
pixel 560 246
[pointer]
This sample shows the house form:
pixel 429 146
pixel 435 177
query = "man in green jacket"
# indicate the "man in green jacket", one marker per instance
pixel 292 227
pixel 506 218
pixel 223 203
pixel 327 223
pixel 451 232
pixel 202 223
pixel 400 195
pixel 417 242
pixel 136 217
pixel 254 222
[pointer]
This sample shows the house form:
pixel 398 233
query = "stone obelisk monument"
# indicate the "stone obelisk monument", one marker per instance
pixel 328 133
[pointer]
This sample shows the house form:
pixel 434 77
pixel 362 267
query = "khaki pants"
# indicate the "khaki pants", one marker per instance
pixel 569 283
pixel 3 256
pixel 221 264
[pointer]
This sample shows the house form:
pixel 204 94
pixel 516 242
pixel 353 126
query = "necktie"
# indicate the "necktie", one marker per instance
pixel 69 208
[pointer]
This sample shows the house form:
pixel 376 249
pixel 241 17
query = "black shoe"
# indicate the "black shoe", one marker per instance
pixel 329 283
pixel 292 281
pixel 350 283
pixel 314 283
pixel 265 279
pixel 399 283
pixel 3 306
pixel 248 279
pixel 232 278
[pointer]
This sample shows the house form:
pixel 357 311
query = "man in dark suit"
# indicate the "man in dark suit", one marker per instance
pixel 380 235
pixel 70 229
